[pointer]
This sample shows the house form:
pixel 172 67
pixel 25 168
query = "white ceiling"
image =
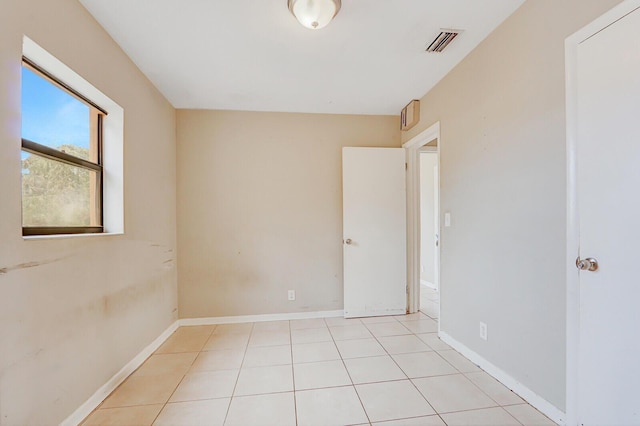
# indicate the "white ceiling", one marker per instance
pixel 253 54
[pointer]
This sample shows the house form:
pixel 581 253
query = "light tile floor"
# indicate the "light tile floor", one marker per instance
pixel 333 371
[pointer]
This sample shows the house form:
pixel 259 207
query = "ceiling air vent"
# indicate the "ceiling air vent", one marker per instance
pixel 442 40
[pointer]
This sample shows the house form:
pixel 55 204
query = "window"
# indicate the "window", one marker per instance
pixel 62 159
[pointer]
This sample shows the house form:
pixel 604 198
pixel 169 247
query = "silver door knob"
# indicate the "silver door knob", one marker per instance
pixel 588 264
pixel 348 241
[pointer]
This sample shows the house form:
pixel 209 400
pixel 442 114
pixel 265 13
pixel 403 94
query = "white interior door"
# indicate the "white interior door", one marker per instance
pixel 608 200
pixel 374 229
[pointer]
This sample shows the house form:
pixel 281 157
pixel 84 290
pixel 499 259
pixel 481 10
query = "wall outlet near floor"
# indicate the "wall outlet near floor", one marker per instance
pixel 483 331
pixel 292 295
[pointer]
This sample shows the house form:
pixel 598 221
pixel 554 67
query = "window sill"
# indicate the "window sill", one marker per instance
pixel 65 236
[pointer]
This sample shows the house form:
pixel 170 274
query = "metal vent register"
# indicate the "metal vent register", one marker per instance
pixel 442 40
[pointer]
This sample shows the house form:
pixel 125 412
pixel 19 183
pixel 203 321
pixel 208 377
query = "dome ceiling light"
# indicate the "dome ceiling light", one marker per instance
pixel 314 14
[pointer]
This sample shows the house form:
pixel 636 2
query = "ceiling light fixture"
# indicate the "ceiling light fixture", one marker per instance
pixel 314 14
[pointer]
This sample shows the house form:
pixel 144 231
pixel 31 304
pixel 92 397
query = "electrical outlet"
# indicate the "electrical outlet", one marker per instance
pixel 421 268
pixel 483 331
pixel 292 295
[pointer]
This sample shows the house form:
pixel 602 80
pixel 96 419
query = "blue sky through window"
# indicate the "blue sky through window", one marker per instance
pixel 51 116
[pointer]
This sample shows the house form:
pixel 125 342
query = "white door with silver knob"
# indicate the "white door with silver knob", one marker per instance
pixel 374 231
pixel 607 190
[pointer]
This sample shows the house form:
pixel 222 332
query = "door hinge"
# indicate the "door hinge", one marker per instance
pixel 406 166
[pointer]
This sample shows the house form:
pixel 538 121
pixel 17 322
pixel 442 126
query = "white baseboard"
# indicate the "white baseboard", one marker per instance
pixel 85 409
pixel 260 318
pixel 527 394
pixel 427 284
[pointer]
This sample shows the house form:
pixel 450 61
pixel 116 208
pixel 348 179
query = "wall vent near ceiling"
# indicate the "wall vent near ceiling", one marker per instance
pixel 442 40
pixel 410 115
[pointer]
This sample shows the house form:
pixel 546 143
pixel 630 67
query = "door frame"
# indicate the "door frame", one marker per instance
pixel 413 147
pixel 573 236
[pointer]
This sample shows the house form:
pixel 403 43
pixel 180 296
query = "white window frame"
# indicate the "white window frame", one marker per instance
pixel 112 138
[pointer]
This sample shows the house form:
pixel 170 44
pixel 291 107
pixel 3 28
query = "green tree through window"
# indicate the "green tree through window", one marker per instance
pixel 55 193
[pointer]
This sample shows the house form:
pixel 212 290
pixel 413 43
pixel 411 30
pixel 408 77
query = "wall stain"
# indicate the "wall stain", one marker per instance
pixel 28 265
pixel 24 358
pixel 127 298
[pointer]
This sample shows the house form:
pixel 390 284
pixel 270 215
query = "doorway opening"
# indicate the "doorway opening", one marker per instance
pixel 429 230
pixel 427 143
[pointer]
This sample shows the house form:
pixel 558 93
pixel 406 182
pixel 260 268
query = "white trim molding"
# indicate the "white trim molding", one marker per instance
pixel 260 318
pixel 527 394
pixel 413 147
pixel 105 390
pixel 573 235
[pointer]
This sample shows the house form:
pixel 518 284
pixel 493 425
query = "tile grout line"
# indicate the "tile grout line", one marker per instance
pixel 467 410
pixel 445 360
pixel 293 375
pixel 233 391
pixel 408 378
pixel 425 398
pixel 488 396
pixel 459 373
pixel 100 406
pixel 473 383
pixel 349 374
pixel 183 376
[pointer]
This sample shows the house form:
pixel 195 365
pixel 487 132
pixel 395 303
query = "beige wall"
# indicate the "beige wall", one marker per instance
pixel 74 311
pixel 503 180
pixel 260 208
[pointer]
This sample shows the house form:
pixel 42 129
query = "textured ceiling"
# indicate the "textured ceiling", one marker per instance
pixel 253 54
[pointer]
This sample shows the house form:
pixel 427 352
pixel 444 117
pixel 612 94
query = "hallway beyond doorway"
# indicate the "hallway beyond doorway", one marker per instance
pixel 430 302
